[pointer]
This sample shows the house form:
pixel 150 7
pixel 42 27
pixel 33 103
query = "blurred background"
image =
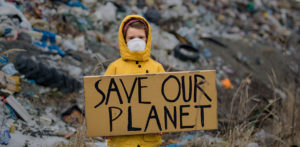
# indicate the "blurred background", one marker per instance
pixel 47 46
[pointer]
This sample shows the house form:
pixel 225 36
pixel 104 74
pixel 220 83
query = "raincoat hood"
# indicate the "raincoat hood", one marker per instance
pixel 126 54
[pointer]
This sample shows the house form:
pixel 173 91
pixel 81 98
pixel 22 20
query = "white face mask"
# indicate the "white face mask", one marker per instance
pixel 136 45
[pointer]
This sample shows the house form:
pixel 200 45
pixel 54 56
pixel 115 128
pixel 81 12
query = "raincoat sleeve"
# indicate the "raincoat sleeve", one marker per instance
pixel 161 68
pixel 111 70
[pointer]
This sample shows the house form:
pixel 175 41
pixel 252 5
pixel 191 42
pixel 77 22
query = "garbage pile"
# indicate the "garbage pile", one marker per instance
pixel 46 47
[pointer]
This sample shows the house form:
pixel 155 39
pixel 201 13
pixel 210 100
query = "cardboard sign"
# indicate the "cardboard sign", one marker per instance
pixel 150 103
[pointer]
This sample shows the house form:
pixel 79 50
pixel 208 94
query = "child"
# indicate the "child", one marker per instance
pixel 135 47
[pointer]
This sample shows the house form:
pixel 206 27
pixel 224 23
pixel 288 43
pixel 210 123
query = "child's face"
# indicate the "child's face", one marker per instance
pixel 135 33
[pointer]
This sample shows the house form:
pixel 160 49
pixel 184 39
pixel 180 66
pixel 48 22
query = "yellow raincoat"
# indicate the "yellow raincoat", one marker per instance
pixel 133 63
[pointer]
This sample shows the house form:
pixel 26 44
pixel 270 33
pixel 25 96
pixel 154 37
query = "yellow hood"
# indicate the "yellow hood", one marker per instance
pixel 126 54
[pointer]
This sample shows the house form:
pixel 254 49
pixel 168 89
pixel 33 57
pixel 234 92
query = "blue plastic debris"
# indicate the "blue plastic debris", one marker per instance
pixel 55 47
pixel 11 111
pixel 52 37
pixel 7 31
pixel 3 59
pixel 174 145
pixel 188 137
pixel 31 81
pixel 241 57
pixel 76 4
pixel 81 21
pixel 244 59
pixel 9 69
pixel 4 137
pixel 207 53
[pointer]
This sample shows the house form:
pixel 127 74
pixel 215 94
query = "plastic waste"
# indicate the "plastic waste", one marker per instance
pixel 3 59
pixel 106 13
pixel 80 42
pixel 159 39
pixel 8 9
pixel 186 52
pixel 52 37
pixel 153 15
pixel 69 45
pixel 227 84
pixel 24 37
pixel 174 145
pixel 9 69
pixel 207 53
pixel 188 34
pixel 46 76
pixel 76 4
pixel 5 137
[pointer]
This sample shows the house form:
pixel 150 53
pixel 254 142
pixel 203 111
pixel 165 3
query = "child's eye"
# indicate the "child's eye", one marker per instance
pixel 130 38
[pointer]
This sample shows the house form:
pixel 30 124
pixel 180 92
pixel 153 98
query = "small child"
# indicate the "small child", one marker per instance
pixel 135 47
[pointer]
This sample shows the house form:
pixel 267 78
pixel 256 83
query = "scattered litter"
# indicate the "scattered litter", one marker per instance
pixel 73 115
pixel 9 69
pixel 18 109
pixel 186 52
pixel 65 40
pixel 227 84
pixel 5 137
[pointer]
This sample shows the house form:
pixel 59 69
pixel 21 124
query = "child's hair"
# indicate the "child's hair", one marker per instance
pixel 138 24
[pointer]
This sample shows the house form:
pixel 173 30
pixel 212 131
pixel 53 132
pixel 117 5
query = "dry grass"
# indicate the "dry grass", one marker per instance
pixel 240 129
pixel 80 139
pixel 278 118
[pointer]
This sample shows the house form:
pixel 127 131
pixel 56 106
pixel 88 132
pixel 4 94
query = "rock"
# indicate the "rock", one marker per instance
pixel 252 144
pixel 79 41
pixel 45 120
pixel 261 134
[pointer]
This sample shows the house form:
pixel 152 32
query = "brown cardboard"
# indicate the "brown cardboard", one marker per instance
pixel 103 114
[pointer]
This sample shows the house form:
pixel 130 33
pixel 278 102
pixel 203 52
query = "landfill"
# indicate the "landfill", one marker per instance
pixel 47 46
